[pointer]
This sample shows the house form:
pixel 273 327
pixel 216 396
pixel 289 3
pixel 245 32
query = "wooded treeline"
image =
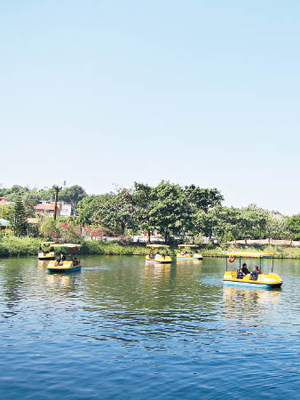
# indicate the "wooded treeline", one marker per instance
pixel 176 212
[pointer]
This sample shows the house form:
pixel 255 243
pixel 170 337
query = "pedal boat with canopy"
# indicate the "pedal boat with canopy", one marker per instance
pixel 46 251
pixel 70 264
pixel 188 252
pixel 158 258
pixel 268 280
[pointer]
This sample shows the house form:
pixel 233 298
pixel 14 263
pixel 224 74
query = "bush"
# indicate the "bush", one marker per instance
pixel 94 247
pixel 14 246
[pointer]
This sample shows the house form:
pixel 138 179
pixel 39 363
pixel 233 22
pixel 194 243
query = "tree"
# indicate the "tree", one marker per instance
pixel 294 226
pixel 115 211
pixel 70 232
pixel 50 230
pixel 7 212
pixel 87 209
pixel 72 194
pixel 20 218
pixel 277 226
pixel 112 211
pixel 143 201
pixel 170 210
pixel 203 199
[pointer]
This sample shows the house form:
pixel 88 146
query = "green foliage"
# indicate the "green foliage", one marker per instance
pixel 87 208
pixel 229 223
pixel 277 226
pixel 14 246
pixel 69 232
pixel 72 194
pixel 143 199
pixel 95 247
pixel 169 211
pixel 294 226
pixel 20 218
pixel 113 211
pixel 7 212
pixel 50 230
pixel 202 199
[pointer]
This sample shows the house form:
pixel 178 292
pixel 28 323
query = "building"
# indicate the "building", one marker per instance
pixel 46 208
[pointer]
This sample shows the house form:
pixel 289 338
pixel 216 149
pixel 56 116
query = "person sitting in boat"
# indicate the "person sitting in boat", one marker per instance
pixel 61 258
pixel 240 274
pixel 255 273
pixel 75 261
pixel 245 270
pixel 151 255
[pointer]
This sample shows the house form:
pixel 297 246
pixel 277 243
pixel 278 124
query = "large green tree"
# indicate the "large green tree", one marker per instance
pixel 294 226
pixel 203 198
pixel 170 209
pixel 20 218
pixel 143 202
pixel 72 194
pixel 113 211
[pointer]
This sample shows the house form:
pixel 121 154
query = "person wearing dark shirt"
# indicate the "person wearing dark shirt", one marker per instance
pixel 61 258
pixel 245 269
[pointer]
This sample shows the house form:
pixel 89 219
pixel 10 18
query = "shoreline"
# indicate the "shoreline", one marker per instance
pixel 27 246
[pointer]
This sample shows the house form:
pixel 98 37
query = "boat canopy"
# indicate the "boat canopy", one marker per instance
pixel 157 246
pixel 187 245
pixel 246 254
pixel 69 245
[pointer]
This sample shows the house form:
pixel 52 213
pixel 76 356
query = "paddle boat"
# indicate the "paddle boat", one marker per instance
pixel 255 279
pixel 188 252
pixel 164 258
pixel 46 251
pixel 65 264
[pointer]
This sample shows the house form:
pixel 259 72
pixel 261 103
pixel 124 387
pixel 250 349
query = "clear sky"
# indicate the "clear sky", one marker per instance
pixel 104 92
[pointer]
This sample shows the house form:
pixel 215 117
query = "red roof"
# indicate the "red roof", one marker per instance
pixel 46 207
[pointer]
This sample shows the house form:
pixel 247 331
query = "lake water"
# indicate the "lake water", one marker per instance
pixel 120 329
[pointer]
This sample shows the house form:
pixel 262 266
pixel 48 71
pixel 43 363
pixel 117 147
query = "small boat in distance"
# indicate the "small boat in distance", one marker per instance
pixel 65 264
pixel 163 258
pixel 46 251
pixel 255 279
pixel 188 252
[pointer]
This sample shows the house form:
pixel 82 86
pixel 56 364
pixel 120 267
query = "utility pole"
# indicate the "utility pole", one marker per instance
pixel 57 189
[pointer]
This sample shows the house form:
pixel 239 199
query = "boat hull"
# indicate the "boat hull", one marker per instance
pixel 66 267
pixel 159 260
pixel 62 270
pixel 189 258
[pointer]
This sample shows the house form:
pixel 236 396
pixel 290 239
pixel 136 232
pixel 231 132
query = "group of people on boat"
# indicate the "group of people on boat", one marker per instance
pixel 186 254
pixel 152 255
pixel 241 272
pixel 62 258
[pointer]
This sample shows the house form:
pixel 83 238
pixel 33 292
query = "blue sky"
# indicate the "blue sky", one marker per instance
pixel 111 92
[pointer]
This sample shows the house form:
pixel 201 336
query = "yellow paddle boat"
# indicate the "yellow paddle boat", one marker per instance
pixel 163 258
pixel 188 252
pixel 242 276
pixel 65 264
pixel 46 251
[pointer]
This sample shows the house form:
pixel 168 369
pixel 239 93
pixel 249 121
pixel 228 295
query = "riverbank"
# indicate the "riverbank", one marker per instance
pixel 27 246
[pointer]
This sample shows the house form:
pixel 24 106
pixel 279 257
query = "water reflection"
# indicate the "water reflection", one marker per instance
pixel 247 302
